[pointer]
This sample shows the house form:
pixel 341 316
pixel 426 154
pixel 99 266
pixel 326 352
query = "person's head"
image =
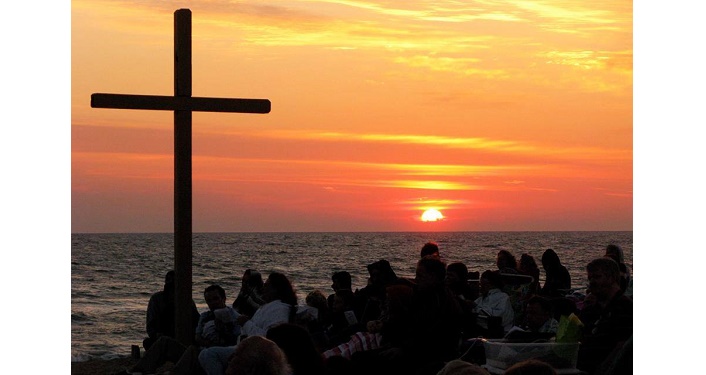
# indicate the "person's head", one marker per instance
pixel 603 277
pixel 505 260
pixel 278 287
pixel 169 281
pixel 169 277
pixel 550 260
pixel 299 348
pixel 317 299
pixel 490 280
pixel 341 280
pixel 430 249
pixel 531 367
pixel 456 274
pixel 527 262
pixel 215 297
pixel 537 312
pixel 615 252
pixel 256 355
pixel 430 274
pixel 252 279
pixel 381 273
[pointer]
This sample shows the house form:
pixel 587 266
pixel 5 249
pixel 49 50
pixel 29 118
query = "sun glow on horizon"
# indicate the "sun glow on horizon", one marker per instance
pixel 380 112
pixel 432 214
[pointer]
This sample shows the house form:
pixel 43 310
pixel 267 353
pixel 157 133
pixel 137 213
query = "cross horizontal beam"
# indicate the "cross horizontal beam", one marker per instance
pixel 177 103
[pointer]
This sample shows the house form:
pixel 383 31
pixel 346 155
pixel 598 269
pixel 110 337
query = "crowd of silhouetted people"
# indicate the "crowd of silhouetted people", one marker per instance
pixel 429 324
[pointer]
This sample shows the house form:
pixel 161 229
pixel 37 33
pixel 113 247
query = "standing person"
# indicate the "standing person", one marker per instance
pixel 160 313
pixel 249 298
pixel 280 307
pixel 607 319
pixel 529 267
pixel 558 279
pixel 215 327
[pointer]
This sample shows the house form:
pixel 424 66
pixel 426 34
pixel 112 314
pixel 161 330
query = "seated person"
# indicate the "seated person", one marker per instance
pixel 493 302
pixel 257 355
pixel 216 327
pixel 422 329
pixel 343 321
pixel 557 278
pixel 340 281
pixel 539 322
pixel 280 307
pixel 249 297
pixel 370 299
pixel 430 249
pixel 607 316
pixel 160 313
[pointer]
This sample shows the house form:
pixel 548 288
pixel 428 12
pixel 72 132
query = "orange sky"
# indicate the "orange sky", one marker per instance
pixel 503 115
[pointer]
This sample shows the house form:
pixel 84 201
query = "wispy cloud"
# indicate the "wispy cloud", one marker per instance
pixel 448 142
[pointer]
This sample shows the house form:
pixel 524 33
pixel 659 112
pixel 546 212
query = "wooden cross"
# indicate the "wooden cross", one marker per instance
pixel 182 104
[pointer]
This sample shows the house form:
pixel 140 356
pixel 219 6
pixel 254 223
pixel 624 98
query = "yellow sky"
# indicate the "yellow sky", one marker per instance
pixel 504 115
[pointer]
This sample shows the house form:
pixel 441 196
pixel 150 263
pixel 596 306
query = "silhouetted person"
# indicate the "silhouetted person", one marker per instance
pixel 607 318
pixel 344 323
pixel 257 355
pixel 422 334
pixel 528 266
pixel 316 323
pixel 558 279
pixel 369 300
pixel 615 252
pixel 249 298
pixel 430 249
pixel 340 280
pixel 436 315
pixel 216 326
pixel 302 354
pixel 457 283
pixel 160 313
pixel 280 307
pixel 506 262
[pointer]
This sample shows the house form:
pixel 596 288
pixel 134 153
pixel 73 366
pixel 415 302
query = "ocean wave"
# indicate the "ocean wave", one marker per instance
pixel 81 318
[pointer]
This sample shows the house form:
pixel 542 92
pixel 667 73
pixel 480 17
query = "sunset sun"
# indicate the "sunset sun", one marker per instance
pixel 432 215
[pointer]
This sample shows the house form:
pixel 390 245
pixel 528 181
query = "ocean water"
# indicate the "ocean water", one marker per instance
pixel 114 275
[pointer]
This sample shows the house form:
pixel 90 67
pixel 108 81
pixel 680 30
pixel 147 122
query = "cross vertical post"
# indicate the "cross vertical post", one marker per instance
pixel 182 178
